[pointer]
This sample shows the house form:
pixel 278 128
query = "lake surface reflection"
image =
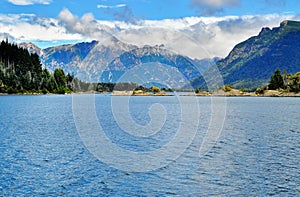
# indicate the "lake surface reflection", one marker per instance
pixel 257 153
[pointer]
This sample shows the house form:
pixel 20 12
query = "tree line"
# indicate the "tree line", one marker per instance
pixel 22 72
pixel 278 81
pixel 285 81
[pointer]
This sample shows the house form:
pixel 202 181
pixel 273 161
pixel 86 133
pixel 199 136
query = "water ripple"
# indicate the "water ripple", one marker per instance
pixel 258 152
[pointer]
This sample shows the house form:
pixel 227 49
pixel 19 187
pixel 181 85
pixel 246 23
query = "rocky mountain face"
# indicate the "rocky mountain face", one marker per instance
pixel 108 60
pixel 188 67
pixel 251 63
pixel 32 48
pixel 84 60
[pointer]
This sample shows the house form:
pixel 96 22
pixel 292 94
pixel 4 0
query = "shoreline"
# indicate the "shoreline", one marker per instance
pixel 237 93
pixel 219 93
pixel 138 93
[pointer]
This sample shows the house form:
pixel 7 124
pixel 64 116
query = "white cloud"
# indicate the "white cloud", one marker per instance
pixel 197 37
pixel 24 27
pixel 86 25
pixel 29 2
pixel 4 36
pixel 113 6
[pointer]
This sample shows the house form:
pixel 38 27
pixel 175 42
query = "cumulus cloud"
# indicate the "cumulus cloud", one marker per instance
pixel 86 25
pixel 210 7
pixel 199 37
pixel 29 2
pixel 125 13
pixel 7 36
pixel 23 27
pixel 196 37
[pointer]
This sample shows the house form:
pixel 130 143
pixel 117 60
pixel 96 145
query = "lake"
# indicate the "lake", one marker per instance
pixel 98 145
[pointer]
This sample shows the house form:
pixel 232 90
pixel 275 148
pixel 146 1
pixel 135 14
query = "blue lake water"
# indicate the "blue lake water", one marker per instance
pixel 42 152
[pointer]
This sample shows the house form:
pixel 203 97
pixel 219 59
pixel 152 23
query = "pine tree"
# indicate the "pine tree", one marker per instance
pixel 276 80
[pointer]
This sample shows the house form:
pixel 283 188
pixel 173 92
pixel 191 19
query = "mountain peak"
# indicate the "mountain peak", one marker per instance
pixel 265 30
pixel 32 48
pixel 285 27
pixel 284 23
pixel 290 25
pixel 251 62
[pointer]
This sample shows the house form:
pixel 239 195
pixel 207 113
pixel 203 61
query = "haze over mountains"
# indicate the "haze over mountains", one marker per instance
pixel 250 64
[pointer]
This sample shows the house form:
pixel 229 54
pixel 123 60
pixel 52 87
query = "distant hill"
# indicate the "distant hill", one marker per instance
pixel 172 63
pixel 108 60
pixel 251 63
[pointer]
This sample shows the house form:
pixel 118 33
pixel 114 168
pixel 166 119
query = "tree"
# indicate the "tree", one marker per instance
pixel 295 82
pixel 197 91
pixel 70 81
pixel 276 80
pixel 21 71
pixel 259 91
pixel 48 81
pixel 60 77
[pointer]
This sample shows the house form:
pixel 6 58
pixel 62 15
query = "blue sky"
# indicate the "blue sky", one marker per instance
pixel 150 9
pixel 216 25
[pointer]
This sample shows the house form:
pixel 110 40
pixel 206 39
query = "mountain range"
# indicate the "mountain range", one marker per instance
pixel 109 60
pixel 249 65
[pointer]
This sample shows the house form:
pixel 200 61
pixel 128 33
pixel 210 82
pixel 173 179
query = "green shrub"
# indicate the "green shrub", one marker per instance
pixel 11 90
pixel 259 91
pixel 45 91
pixel 155 89
pixel 227 88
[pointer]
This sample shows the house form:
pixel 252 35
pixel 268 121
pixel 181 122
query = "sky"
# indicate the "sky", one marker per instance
pixel 196 28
